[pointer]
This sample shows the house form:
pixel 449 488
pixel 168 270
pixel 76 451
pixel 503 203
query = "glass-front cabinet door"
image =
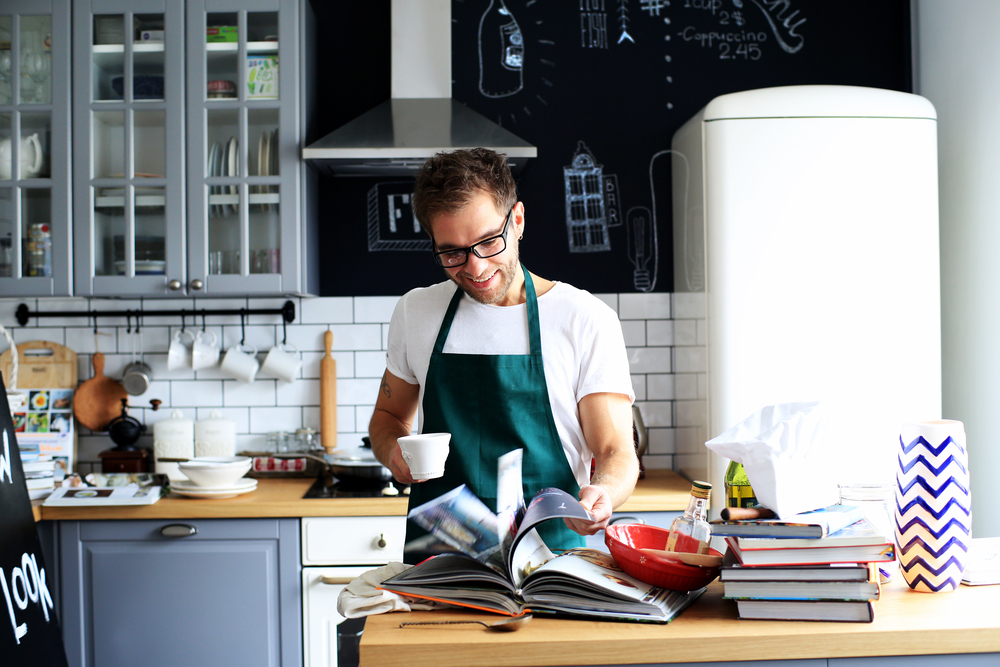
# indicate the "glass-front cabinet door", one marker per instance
pixel 35 221
pixel 242 101
pixel 129 158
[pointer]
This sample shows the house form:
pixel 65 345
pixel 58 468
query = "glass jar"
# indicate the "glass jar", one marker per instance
pixel 306 440
pixel 879 503
pixel 277 442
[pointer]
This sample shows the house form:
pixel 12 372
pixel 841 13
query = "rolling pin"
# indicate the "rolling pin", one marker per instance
pixel 328 396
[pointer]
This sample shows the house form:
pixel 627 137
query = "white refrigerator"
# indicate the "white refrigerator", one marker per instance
pixel 805 242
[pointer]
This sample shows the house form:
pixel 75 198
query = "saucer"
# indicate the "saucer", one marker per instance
pixel 192 490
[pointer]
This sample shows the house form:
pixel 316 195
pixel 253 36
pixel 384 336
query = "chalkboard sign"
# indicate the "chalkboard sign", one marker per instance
pixel 29 630
pixel 600 87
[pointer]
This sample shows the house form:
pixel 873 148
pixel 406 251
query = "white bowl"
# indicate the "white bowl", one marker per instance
pixel 216 471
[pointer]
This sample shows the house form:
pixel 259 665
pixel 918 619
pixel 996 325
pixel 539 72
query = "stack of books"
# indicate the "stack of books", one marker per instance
pixel 39 471
pixel 816 566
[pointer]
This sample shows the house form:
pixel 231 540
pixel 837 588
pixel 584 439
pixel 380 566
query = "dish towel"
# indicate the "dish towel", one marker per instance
pixel 361 597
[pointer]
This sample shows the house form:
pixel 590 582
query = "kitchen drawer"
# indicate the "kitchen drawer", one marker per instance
pixel 357 540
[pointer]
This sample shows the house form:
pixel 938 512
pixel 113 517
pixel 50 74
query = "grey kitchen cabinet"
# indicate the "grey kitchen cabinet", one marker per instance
pixel 187 182
pixel 177 592
pixel 35 221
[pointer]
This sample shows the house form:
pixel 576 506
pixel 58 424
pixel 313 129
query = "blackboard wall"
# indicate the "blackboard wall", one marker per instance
pixel 602 88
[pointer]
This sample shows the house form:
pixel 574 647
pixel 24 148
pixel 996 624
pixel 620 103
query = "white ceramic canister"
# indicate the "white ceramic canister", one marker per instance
pixel 215 436
pixel 173 438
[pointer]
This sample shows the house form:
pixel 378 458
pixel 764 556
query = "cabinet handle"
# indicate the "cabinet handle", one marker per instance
pixel 336 581
pixel 382 542
pixel 178 530
pixel 174 285
pixel 197 284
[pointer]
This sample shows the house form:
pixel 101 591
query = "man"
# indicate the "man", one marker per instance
pixel 505 360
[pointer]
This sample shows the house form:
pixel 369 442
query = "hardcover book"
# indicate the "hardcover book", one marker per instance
pixel 881 552
pixel 859 533
pixel 733 570
pixel 867 589
pixel 504 567
pixel 803 610
pixel 808 525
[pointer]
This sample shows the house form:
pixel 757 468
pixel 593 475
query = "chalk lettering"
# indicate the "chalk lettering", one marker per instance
pixel 776 13
pixel 27 584
pixel 710 39
pixel 5 460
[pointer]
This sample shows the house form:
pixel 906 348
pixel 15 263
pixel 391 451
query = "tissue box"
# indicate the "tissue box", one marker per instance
pixel 262 77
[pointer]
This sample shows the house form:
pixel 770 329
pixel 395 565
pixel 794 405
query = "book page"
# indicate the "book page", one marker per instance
pixel 462 520
pixel 510 499
pixel 529 552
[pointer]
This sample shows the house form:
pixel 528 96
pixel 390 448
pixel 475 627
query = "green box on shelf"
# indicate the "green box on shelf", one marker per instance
pixel 262 77
pixel 222 33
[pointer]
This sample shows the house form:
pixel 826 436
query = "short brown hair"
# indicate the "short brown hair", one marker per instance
pixel 447 182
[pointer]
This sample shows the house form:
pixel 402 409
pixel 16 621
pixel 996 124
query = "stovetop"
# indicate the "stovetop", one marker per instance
pixel 333 487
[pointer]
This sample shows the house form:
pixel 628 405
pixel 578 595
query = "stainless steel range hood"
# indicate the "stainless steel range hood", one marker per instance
pixel 421 118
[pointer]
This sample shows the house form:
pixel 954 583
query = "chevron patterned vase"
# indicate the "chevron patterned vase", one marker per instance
pixel 933 505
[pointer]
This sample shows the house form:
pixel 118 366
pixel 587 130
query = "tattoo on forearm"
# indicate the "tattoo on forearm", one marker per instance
pixel 386 391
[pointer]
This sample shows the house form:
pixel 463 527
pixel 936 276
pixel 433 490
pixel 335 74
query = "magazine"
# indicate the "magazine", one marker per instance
pixel 80 496
pixel 807 525
pixel 504 567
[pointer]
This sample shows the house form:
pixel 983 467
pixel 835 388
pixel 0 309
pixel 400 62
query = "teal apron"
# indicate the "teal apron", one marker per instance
pixel 492 404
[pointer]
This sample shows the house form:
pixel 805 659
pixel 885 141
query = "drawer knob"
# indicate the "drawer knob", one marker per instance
pixel 178 530
pixel 382 542
pixel 174 285
pixel 196 284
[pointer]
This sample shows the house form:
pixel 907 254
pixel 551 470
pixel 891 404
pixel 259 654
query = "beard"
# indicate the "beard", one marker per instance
pixel 507 271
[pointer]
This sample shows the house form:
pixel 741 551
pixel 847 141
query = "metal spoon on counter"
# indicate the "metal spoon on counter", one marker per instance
pixel 506 625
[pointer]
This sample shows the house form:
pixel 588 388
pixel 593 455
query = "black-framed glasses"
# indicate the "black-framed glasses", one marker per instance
pixel 494 245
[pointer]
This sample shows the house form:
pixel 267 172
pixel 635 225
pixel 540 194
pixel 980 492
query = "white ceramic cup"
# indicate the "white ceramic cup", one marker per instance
pixel 240 362
pixel 283 362
pixel 32 157
pixel 204 353
pixel 425 454
pixel 179 352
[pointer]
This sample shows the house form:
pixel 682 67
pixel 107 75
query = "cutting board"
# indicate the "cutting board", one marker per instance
pixel 99 399
pixel 41 365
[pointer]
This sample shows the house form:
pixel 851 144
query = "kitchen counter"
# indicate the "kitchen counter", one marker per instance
pixel 661 491
pixel 906 623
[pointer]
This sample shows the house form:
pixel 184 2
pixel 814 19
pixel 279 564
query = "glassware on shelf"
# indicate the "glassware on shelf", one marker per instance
pixel 36 68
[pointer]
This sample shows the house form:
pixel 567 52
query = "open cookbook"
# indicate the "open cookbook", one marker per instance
pixel 504 567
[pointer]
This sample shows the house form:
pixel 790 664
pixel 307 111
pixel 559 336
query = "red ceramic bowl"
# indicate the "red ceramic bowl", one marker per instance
pixel 625 542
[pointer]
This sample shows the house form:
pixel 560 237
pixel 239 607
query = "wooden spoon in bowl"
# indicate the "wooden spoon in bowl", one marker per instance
pixel 698 560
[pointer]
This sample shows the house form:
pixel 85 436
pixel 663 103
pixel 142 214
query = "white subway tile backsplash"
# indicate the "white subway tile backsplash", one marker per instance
pixel 653 305
pixel 685 332
pixel 259 393
pixel 689 305
pixel 374 308
pixel 657 413
pixel 327 310
pixel 690 413
pixel 690 359
pixel 192 393
pixel 357 392
pixel 300 392
pixel 369 364
pixel 264 420
pixel 634 332
pixel 649 359
pixel 662 333
pixel 659 332
pixel 660 387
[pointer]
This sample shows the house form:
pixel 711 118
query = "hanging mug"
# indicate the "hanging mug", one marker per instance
pixel 240 362
pixel 204 353
pixel 179 352
pixel 283 362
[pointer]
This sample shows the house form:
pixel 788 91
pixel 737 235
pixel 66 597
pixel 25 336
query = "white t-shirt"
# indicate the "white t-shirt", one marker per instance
pixel 583 350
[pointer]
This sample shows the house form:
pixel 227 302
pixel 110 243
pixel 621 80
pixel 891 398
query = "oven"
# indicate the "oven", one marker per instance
pixel 336 550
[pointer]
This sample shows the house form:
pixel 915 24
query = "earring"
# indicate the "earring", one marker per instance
pixel 520 237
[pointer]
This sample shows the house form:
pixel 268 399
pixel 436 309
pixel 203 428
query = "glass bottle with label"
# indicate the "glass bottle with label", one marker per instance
pixel 739 493
pixel 692 533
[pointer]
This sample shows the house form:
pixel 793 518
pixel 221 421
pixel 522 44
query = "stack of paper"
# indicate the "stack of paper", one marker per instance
pixel 39 471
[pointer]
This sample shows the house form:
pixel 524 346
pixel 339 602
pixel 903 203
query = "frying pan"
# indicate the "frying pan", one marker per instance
pixel 359 466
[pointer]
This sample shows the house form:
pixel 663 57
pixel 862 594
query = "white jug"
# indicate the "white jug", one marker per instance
pixel 32 158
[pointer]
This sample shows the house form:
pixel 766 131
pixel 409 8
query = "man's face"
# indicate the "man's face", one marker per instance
pixel 487 280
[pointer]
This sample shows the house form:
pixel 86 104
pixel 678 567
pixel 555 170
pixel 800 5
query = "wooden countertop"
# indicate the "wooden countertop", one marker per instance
pixel 662 490
pixel 906 623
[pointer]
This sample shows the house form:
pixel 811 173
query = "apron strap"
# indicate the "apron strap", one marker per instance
pixel 534 330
